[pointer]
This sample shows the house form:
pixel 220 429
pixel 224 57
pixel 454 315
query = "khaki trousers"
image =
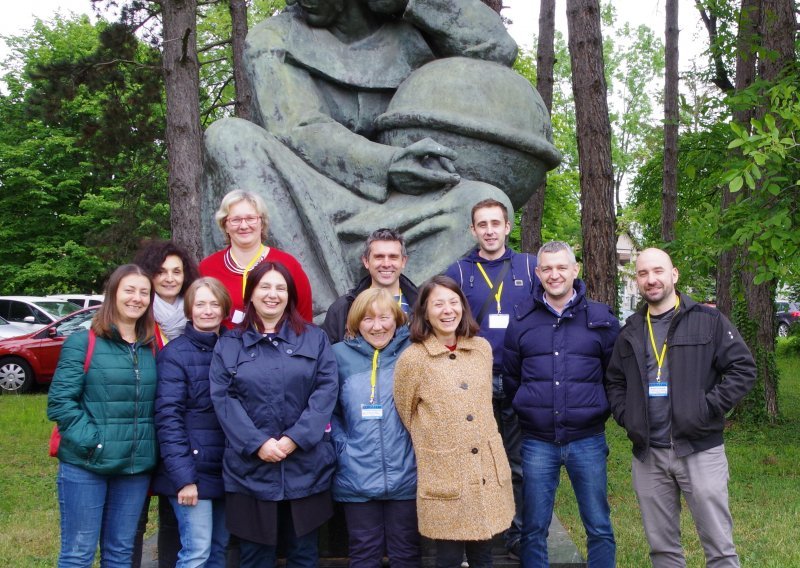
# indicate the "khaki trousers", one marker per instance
pixel 702 477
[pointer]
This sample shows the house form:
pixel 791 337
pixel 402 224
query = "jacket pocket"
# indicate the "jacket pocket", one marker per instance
pixel 95 453
pixel 438 474
pixel 694 420
pixel 500 461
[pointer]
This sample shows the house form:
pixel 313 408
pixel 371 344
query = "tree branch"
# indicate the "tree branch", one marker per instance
pixel 213 45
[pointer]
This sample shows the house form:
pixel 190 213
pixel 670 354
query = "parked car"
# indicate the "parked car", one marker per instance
pixel 80 300
pixel 8 329
pixel 31 358
pixel 34 312
pixel 786 315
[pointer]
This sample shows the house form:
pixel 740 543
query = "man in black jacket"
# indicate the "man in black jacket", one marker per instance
pixel 384 257
pixel 677 368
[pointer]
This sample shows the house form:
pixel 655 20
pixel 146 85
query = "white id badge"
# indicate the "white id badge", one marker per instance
pixel 238 316
pixel 371 412
pixel 657 389
pixel 498 321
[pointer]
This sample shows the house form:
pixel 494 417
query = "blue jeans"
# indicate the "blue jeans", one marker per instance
pixel 203 533
pixel 92 504
pixel 585 460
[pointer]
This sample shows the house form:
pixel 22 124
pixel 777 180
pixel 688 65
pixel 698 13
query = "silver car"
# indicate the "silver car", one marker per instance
pixel 34 312
pixel 8 329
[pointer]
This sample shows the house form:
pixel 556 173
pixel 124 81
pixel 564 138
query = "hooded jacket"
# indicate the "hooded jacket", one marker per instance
pixel 335 322
pixel 105 417
pixel 553 366
pixel 266 388
pixel 189 435
pixel 710 369
pixel 375 457
pixel 517 287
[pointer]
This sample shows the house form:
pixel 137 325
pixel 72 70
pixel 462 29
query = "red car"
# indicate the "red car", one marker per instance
pixel 32 358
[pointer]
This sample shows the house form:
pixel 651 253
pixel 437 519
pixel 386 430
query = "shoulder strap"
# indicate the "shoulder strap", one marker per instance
pixel 89 351
pixel 461 274
pixel 528 264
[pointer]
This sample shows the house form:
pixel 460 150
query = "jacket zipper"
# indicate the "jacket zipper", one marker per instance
pixel 135 357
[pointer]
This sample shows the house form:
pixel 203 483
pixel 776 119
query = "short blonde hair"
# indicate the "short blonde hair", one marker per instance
pixel 217 289
pixel 232 198
pixel 363 304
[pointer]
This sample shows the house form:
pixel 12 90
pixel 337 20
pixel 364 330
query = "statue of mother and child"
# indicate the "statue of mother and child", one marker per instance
pixel 379 113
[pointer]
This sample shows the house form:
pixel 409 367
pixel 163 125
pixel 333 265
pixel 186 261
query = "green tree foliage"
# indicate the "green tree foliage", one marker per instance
pixel 82 155
pixel 561 218
pixel 767 221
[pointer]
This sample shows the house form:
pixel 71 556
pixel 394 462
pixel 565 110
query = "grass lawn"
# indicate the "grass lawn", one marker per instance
pixel 764 491
pixel 764 494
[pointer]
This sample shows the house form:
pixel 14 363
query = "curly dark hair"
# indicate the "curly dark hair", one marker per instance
pixel 152 254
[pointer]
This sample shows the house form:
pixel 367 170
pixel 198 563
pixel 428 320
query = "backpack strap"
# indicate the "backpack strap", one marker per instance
pixel 528 266
pixel 460 273
pixel 89 351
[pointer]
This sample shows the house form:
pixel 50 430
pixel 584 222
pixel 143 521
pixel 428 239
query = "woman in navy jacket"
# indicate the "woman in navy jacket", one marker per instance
pixel 376 475
pixel 274 386
pixel 190 436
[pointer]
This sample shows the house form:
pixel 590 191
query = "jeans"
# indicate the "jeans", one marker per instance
pixel 702 477
pixel 508 425
pixel 91 503
pixel 382 527
pixel 450 553
pixel 169 542
pixel 585 460
pixel 202 532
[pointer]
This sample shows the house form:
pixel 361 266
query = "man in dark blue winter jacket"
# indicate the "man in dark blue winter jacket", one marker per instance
pixel 494 279
pixel 556 350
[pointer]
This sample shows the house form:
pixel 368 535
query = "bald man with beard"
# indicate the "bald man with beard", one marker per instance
pixel 677 368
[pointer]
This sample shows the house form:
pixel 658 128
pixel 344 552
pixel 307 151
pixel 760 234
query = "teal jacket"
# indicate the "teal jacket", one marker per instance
pixel 105 417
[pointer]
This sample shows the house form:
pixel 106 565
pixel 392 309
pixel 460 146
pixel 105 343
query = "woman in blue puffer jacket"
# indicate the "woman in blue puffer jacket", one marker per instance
pixel 376 475
pixel 191 439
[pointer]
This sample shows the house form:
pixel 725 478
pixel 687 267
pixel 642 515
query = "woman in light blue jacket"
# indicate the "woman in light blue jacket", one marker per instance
pixel 376 475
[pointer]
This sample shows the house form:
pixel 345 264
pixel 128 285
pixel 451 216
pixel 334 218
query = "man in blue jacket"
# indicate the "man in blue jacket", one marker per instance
pixel 494 279
pixel 677 369
pixel 556 350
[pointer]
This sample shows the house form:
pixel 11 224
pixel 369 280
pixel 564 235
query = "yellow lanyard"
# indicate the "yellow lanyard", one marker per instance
pixel 250 267
pixel 659 358
pixel 374 377
pixel 491 286
pixel 400 301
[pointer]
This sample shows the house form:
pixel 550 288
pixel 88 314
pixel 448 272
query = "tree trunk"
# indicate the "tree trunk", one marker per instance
pixel 598 223
pixel 495 5
pixel 533 210
pixel 245 100
pixel 777 27
pixel 746 44
pixel 184 138
pixel 669 192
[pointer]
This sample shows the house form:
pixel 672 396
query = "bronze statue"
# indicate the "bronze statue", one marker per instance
pixel 396 113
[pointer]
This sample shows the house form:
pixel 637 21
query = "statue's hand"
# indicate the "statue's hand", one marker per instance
pixel 423 166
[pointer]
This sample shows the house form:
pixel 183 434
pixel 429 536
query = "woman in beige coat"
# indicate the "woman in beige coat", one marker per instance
pixel 443 393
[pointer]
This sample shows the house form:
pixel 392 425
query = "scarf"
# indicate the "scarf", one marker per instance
pixel 170 317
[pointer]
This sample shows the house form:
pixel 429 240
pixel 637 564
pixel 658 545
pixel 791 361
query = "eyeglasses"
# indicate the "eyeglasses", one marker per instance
pixel 250 220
